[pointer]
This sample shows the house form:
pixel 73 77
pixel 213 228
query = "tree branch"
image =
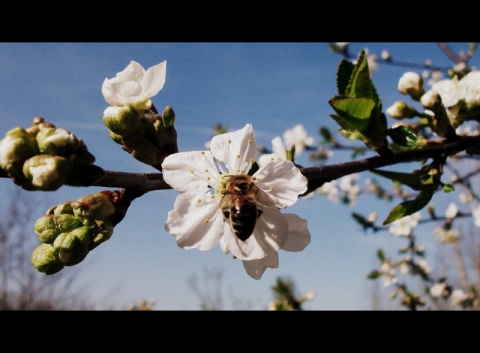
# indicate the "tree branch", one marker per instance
pixel 317 176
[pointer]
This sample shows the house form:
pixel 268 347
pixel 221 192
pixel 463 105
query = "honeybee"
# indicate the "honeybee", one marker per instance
pixel 240 204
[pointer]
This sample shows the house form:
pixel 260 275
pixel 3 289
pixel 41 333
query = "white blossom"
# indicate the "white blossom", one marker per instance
pixel 330 189
pixel 298 137
pixel 451 211
pixel 476 216
pixel 458 296
pixel 279 153
pixel 451 91
pixel 134 85
pixel 404 226
pixel 437 290
pixel 202 178
pixel 445 236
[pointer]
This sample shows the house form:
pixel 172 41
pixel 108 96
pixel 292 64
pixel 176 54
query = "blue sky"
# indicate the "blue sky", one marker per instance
pixel 273 86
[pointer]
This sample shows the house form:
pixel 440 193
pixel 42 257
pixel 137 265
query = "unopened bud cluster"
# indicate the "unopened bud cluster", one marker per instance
pixel 147 136
pixel 69 231
pixel 448 103
pixel 43 157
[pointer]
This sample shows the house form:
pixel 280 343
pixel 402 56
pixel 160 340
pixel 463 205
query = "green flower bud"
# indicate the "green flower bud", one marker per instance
pixel 104 233
pixel 63 208
pixel 168 116
pixel 45 259
pixel 45 172
pixel 57 141
pixel 73 246
pixel 17 146
pixel 124 120
pixel 96 206
pixel 115 137
pixel 46 229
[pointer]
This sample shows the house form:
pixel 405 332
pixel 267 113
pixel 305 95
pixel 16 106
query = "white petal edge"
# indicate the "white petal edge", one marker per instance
pixel 189 171
pixel 187 222
pixel 233 148
pixel 298 233
pixel 256 268
pixel 282 181
pixel 154 79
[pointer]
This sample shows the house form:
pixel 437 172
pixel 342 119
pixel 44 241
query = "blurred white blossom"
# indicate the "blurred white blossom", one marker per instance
pixel 298 137
pixel 404 226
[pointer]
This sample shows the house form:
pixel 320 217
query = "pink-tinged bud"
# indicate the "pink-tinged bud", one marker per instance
pixel 96 206
pixel 104 233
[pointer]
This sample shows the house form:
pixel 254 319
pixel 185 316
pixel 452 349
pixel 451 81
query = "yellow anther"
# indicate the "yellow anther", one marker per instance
pixel 238 156
pixel 249 141
pixel 207 220
pixel 192 171
pixel 199 200
pixel 206 170
pixel 271 188
pixel 203 152
pixel 229 141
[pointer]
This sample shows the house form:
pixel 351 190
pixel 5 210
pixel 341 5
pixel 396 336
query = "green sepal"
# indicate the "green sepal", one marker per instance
pixel 408 208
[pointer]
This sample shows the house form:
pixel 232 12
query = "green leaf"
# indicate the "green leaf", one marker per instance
pixel 344 73
pixel 360 84
pixel 374 275
pixel 402 135
pixel 412 180
pixel 448 188
pixel 408 208
pixel 354 112
pixel 381 255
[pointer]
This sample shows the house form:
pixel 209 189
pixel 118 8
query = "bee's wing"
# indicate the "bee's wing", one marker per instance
pixel 263 199
pixel 226 201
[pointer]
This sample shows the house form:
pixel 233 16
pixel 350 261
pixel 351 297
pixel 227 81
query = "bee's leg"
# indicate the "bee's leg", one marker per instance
pixel 259 213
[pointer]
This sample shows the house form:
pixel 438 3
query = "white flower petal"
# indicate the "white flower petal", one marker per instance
pixel 128 91
pixel 154 79
pixel 298 233
pixel 189 171
pixel 256 268
pixel 235 149
pixel 282 181
pixel 279 149
pixel 133 72
pixel 269 235
pixel 188 222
